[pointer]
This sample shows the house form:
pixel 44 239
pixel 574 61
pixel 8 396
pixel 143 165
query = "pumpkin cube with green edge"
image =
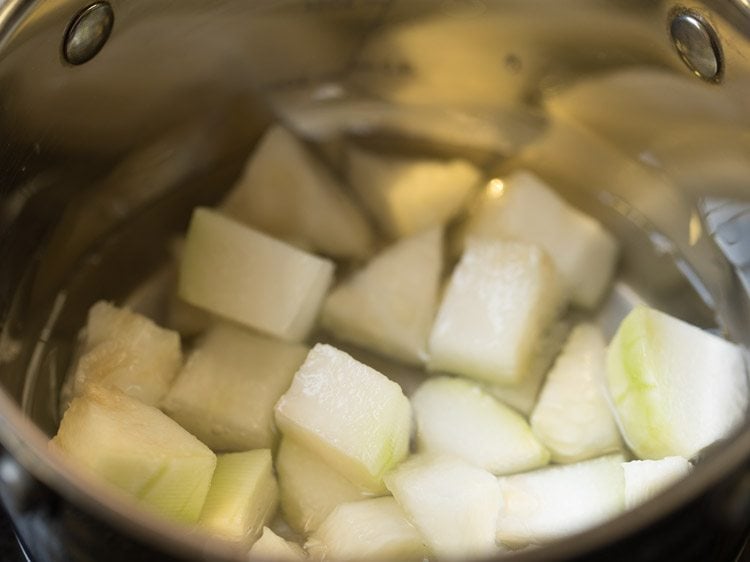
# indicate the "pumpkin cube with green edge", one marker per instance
pixel 243 496
pixel 248 277
pixel 675 389
pixel 226 392
pixel 127 351
pixel 309 488
pixel 138 449
pixel 349 414
pixel 374 529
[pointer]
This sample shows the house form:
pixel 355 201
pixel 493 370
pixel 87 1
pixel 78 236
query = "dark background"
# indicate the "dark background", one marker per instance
pixel 10 551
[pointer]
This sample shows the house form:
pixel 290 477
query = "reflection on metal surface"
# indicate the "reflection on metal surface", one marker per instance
pixel 728 222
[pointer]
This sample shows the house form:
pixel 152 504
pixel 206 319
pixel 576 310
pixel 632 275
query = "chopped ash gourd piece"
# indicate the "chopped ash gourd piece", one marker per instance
pixel 408 196
pixel 523 207
pixel 646 479
pixel 389 305
pixel 352 416
pixel 674 388
pixel 548 504
pixel 501 298
pixel 181 316
pixel 138 449
pixel 453 504
pixel 271 546
pixel 374 529
pixel 243 275
pixel 127 351
pixel 523 396
pixel 309 488
pixel 457 417
pixel 287 193
pixel 572 417
pixel 227 390
pixel 243 496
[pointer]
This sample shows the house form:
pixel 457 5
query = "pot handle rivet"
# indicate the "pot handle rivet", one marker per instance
pixel 697 44
pixel 87 33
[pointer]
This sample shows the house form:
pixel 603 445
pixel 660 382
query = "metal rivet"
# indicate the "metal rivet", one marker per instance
pixel 697 44
pixel 88 32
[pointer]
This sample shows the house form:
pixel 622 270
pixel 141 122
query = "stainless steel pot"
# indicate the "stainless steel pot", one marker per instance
pixel 117 117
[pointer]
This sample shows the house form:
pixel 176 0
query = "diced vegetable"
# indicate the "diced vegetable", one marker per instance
pixel 243 496
pixel 457 417
pixel 185 318
pixel 551 503
pixel 408 196
pixel 375 529
pixel 645 479
pixel 138 449
pixel 525 208
pixel 248 277
pixel 675 388
pixel 129 352
pixel 310 489
pixel 572 417
pixel 523 396
pixel 501 298
pixel 271 546
pixel 453 504
pixel 287 193
pixel 352 416
pixel 227 390
pixel 389 305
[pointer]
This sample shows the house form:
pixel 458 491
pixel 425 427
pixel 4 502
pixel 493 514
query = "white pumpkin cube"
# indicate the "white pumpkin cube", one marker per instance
pixel 407 196
pixel 352 416
pixel 243 275
pixel 572 417
pixel 388 306
pixel 227 390
pixel 549 504
pixel 501 299
pixel 286 192
pixel 457 417
pixel 646 479
pixel 523 207
pixel 271 546
pixel 309 488
pixel 523 396
pixel 127 351
pixel 453 504
pixel 374 529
